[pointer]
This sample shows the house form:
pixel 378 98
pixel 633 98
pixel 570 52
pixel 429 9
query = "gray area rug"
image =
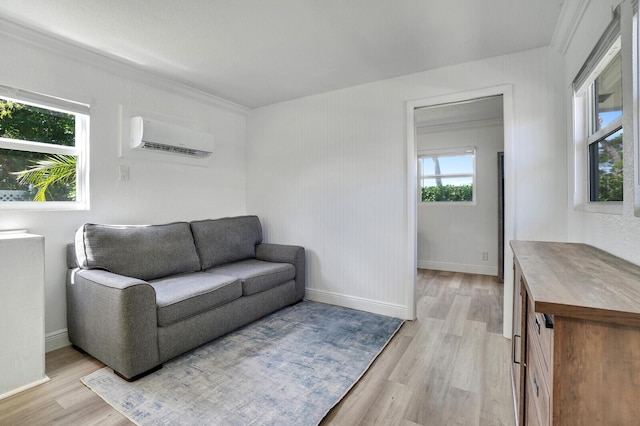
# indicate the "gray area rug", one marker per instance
pixel 289 368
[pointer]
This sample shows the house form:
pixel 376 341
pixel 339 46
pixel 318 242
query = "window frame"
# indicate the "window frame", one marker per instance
pixel 584 107
pixel 447 152
pixel 80 150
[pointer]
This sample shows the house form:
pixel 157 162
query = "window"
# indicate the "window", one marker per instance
pixel 445 176
pixel 598 92
pixel 43 145
pixel 605 133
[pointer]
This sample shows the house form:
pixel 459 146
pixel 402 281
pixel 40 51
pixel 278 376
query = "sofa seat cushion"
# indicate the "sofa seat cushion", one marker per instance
pixel 137 251
pixel 257 275
pixel 183 296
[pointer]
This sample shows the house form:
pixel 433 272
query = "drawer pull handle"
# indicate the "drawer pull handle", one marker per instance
pixel 514 348
pixel 548 320
pixel 535 383
pixel 537 324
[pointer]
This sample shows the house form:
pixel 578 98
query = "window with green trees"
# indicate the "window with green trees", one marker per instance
pixel 42 146
pixel 605 133
pixel 598 115
pixel 605 168
pixel 446 176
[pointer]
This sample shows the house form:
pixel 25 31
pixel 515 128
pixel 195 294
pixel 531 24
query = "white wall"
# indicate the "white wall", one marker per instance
pixel 329 172
pixel 452 237
pixel 157 192
pixel 616 233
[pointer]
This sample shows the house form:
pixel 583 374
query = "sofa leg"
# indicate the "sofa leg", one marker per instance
pixel 79 349
pixel 134 378
pixel 139 376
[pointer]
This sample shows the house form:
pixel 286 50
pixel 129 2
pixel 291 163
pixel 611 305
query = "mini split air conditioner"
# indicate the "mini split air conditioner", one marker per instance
pixel 158 136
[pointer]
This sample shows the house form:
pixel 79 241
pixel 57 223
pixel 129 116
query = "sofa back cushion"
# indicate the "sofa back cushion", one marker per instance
pixel 220 241
pixel 143 252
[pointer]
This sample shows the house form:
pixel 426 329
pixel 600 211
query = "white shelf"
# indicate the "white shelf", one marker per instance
pixel 21 312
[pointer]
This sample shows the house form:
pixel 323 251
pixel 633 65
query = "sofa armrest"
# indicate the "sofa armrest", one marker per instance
pixel 286 254
pixel 113 318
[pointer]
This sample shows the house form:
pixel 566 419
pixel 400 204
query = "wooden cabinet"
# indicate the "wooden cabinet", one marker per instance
pixel 517 365
pixel 537 372
pixel 576 342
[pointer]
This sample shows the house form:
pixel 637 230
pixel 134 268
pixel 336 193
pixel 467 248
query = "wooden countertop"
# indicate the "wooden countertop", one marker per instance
pixel 580 281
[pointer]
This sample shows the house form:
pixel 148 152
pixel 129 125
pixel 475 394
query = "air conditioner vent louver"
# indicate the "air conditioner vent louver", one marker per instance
pixel 167 138
pixel 175 149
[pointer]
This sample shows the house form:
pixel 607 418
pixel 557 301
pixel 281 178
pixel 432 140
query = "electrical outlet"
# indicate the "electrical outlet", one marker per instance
pixel 485 255
pixel 124 172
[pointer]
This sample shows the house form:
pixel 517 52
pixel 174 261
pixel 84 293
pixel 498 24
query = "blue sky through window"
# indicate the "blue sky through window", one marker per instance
pixel 450 165
pixel 608 117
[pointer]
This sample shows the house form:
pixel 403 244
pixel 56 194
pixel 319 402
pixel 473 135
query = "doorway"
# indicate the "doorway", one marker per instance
pixel 505 93
pixel 458 201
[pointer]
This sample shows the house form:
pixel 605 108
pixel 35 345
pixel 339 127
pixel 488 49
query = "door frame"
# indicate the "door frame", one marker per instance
pixel 501 216
pixel 506 91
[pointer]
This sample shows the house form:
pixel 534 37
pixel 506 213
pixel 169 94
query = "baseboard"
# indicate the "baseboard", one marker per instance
pixel 56 340
pixel 12 392
pixel 458 267
pixel 359 303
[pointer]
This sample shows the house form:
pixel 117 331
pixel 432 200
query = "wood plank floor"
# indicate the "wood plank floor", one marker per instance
pixel 449 367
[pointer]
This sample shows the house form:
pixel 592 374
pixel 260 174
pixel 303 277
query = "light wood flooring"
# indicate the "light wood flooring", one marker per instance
pixel 449 367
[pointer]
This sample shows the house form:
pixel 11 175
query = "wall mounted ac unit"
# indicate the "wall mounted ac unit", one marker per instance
pixel 158 136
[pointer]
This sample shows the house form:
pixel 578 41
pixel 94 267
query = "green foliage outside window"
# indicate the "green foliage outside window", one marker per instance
pixel 447 193
pixel 611 185
pixel 44 177
pixel 53 176
pixel 609 170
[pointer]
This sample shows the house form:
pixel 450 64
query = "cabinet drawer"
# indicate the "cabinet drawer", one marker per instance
pixel 543 336
pixel 531 416
pixel 537 393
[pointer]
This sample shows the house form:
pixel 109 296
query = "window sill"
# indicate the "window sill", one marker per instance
pixel 447 203
pixel 607 207
pixel 43 206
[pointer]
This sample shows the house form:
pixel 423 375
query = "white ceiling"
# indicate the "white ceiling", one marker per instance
pixel 258 52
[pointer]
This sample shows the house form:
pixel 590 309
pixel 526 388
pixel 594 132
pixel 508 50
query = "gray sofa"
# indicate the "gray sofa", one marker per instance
pixel 138 296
